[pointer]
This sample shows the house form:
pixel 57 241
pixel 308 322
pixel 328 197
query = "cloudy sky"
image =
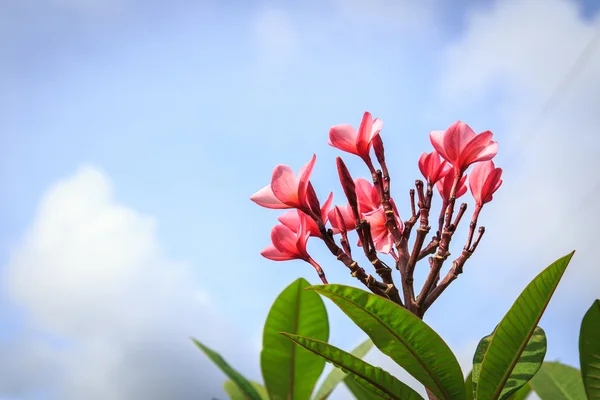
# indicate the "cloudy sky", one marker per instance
pixel 132 134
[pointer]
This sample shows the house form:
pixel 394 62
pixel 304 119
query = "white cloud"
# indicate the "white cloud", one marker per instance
pixel 107 313
pixel 547 205
pixel 528 44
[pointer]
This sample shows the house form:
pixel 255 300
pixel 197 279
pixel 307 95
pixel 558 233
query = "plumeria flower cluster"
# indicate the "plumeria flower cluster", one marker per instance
pixel 372 213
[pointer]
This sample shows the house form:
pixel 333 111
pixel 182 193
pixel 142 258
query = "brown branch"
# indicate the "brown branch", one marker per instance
pixel 382 269
pixel 390 217
pixel 319 270
pixel 355 270
pixel 343 241
pixel 452 200
pixel 441 220
pixel 473 225
pixel 422 231
pixel 457 269
pixel 429 249
pixel 443 252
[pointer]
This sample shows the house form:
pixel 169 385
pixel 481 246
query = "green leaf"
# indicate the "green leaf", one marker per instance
pixel 373 379
pixel 410 342
pixel 245 387
pixel 589 351
pixel 514 331
pixel 529 362
pixel 235 393
pixel 289 371
pixel 556 381
pixel 337 375
pixel 521 394
pixel 469 386
pixel 357 390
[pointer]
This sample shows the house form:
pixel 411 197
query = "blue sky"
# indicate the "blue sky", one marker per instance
pixel 133 134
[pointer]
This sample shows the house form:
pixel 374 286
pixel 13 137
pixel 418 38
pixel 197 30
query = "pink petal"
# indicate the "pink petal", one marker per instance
pixel 347 216
pixel 455 140
pixel 442 169
pixel 492 183
pixel 364 135
pixel 444 186
pixel 488 152
pixel 266 198
pixel 477 178
pixel 363 194
pixel 291 220
pixel 437 140
pixel 477 147
pixel 343 137
pixel 326 206
pixel 337 220
pixel 423 162
pixel 285 185
pixel 377 126
pixel 383 243
pixel 375 199
pixel 499 182
pixel 302 238
pixel 304 175
pixel 272 253
pixel 284 240
pixel 431 167
pixel 381 236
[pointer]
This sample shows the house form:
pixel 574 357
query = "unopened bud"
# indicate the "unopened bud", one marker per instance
pixel 313 200
pixel 378 148
pixel 347 184
pixel 339 221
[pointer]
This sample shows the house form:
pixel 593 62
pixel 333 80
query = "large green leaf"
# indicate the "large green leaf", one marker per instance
pixel 246 387
pixel 289 371
pixel 589 351
pixel 235 393
pixel 514 331
pixel 373 379
pixel 469 386
pixel 521 394
pixel 556 381
pixel 337 375
pixel 359 392
pixel 410 342
pixel 529 363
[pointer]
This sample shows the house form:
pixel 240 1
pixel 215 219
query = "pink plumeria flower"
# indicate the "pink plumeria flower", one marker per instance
pixel 368 200
pixel 286 189
pixel 347 216
pixel 292 218
pixel 461 147
pixel 287 244
pixel 444 186
pixel 382 238
pixel 484 180
pixel 432 168
pixel 367 195
pixel 345 137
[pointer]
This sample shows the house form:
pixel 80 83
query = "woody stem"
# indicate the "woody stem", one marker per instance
pixel 355 270
pixel 318 269
pixel 442 254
